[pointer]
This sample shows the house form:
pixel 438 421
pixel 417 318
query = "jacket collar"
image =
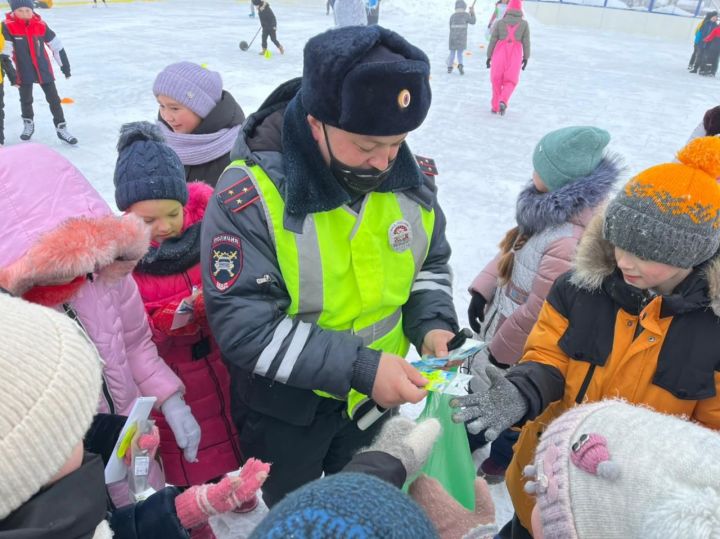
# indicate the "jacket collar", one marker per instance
pixel 310 185
pixel 595 269
pixel 538 211
pixel 75 506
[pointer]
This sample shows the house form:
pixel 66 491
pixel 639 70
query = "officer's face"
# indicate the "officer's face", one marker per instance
pixel 164 216
pixel 357 151
pixel 180 118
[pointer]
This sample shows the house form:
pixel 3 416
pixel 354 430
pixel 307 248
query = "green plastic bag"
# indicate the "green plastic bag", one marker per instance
pixel 450 462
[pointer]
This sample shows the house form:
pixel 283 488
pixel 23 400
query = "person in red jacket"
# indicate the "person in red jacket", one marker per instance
pixel 710 53
pixel 26 36
pixel 150 182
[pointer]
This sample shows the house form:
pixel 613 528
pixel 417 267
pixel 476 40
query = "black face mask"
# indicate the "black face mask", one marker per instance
pixel 356 181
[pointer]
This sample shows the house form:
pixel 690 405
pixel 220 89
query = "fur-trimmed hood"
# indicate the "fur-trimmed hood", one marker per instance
pixel 595 262
pixel 109 247
pixel 538 211
pixel 56 226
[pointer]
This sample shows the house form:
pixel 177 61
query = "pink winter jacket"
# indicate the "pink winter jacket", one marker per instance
pixel 57 227
pixel 195 358
pixel 558 220
pixel 513 309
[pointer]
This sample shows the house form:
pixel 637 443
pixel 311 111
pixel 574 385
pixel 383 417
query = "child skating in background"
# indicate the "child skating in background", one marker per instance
pixel 637 318
pixel 498 13
pixel 26 36
pixel 458 34
pixel 150 183
pixel 572 176
pixel 508 51
pixel 269 25
pixel 6 68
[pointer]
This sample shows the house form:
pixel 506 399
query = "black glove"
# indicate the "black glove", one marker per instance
pixel 65 71
pixel 476 311
pixel 524 64
pixel 488 63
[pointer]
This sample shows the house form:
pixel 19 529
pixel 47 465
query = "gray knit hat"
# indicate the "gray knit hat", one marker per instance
pixel 147 168
pixel 568 154
pixel 670 213
pixel 197 88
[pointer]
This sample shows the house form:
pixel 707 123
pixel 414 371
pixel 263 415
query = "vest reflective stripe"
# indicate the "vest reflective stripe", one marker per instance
pixel 357 286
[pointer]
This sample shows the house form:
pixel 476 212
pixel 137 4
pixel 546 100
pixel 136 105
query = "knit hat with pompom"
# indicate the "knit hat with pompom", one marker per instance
pixel 147 168
pixel 670 213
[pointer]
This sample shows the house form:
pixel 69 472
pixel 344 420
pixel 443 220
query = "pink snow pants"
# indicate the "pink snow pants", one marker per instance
pixel 505 68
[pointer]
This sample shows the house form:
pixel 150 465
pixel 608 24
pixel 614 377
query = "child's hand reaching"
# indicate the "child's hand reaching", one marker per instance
pixel 197 504
pixel 452 520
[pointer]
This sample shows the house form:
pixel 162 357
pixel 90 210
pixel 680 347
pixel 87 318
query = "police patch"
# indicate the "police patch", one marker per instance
pixel 400 236
pixel 226 261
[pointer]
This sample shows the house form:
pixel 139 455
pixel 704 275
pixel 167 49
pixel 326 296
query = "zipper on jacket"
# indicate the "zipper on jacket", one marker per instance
pixel 70 312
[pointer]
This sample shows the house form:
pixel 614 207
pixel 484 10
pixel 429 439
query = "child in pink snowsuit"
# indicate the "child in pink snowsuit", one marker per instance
pixel 508 52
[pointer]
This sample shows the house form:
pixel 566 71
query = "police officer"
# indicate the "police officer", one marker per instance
pixel 324 256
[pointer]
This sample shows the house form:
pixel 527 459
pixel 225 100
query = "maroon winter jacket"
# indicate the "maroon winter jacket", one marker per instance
pixel 194 356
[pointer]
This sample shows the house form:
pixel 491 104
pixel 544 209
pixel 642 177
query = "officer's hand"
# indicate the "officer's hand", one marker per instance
pixel 435 342
pixel 487 64
pixel 476 310
pixel 397 382
pixel 524 64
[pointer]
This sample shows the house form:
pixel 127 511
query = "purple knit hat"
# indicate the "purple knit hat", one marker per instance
pixel 197 88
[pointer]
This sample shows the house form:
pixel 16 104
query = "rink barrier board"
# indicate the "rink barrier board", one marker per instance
pixel 662 25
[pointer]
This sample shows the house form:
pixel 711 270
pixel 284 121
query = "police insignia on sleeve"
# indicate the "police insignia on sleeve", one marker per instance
pixel 226 262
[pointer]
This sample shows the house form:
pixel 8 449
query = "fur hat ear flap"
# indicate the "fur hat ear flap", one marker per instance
pixel 685 512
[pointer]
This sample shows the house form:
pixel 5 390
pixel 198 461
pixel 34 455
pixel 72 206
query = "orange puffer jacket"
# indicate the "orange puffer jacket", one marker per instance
pixel 597 337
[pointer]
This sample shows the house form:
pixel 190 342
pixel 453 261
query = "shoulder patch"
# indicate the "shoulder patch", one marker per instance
pixel 226 262
pixel 427 165
pixel 239 195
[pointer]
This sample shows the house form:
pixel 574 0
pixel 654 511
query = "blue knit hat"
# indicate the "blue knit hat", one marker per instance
pixel 16 4
pixel 147 168
pixel 345 506
pixel 366 80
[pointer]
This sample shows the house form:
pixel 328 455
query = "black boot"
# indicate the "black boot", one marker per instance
pixel 450 68
pixel 461 69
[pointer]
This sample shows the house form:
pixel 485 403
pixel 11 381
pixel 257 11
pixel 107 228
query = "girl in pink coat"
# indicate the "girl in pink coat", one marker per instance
pixel 63 247
pixel 573 175
pixel 150 183
pixel 508 52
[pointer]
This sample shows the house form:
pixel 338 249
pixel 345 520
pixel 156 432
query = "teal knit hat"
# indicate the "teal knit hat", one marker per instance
pixel 569 154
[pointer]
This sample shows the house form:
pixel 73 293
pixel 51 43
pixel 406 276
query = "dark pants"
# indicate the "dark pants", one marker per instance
pixel 501 450
pixel 514 530
pixel 693 58
pixel 271 33
pixel 301 454
pixel 52 97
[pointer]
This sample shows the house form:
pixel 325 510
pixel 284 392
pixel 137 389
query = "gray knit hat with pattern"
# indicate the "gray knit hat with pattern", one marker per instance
pixel 670 213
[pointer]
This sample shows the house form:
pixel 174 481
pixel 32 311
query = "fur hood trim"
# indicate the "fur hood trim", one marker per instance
pixel 595 261
pixel 109 247
pixel 538 211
